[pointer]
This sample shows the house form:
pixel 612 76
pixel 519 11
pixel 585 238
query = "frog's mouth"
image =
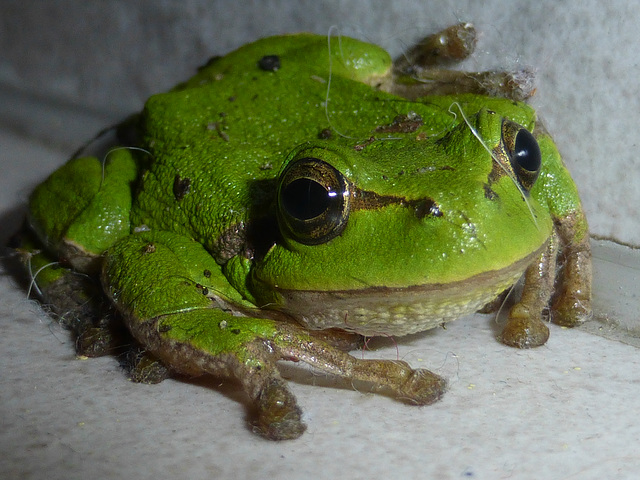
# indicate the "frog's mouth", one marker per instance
pixel 399 311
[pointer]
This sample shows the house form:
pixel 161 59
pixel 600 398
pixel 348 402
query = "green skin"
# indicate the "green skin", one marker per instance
pixel 195 246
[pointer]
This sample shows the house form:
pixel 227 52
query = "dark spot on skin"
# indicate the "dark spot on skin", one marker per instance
pixel 205 291
pixel 148 248
pixel 230 242
pixel 421 136
pixel 232 99
pixel 325 134
pixel 218 127
pixel 402 124
pixel 198 286
pixel 269 63
pixel 207 273
pixel 181 187
pixel 426 207
pixel 251 239
pixel 367 142
pixel 164 328
pixel 489 194
pixel 235 331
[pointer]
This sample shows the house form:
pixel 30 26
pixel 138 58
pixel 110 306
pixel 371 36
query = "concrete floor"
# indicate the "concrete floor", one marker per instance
pixel 565 410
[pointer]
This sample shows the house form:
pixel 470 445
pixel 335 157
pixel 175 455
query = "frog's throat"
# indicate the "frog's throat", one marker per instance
pixel 400 311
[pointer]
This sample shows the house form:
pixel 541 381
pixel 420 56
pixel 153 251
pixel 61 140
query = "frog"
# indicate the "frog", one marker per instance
pixel 299 194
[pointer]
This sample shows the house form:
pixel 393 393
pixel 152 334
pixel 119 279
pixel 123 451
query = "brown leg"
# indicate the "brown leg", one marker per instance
pixel 419 71
pixel 525 328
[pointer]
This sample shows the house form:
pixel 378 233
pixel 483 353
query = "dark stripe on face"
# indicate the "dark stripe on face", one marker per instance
pixel 366 200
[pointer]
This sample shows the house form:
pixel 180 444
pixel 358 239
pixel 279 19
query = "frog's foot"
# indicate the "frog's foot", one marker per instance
pixel 571 311
pixel 278 414
pixel 446 47
pixel 81 306
pixel 524 330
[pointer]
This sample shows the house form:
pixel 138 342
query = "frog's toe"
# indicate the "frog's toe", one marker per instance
pixel 80 306
pixel 422 388
pixel 524 330
pixel 95 342
pixel 279 417
pixel 570 312
pixel 143 367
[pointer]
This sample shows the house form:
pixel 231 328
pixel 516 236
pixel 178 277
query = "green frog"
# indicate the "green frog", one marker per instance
pixel 302 192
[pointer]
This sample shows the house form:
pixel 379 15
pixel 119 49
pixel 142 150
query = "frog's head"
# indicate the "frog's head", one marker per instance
pixel 375 233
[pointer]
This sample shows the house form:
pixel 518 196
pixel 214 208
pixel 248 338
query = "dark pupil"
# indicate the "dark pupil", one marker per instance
pixel 305 199
pixel 527 151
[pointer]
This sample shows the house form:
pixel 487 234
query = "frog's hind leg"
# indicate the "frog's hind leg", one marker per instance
pixel 77 302
pixel 177 305
pixel 422 70
pixel 73 299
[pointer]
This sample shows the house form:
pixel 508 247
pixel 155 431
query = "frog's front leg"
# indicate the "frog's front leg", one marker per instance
pixel 572 304
pixel 180 307
pixel 570 279
pixel 525 327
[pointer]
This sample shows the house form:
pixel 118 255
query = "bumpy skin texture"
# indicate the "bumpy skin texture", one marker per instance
pixel 294 186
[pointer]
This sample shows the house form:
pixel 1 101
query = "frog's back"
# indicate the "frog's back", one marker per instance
pixel 218 141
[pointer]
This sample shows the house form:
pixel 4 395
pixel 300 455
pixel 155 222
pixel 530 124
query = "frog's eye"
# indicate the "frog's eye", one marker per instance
pixel 523 152
pixel 313 201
